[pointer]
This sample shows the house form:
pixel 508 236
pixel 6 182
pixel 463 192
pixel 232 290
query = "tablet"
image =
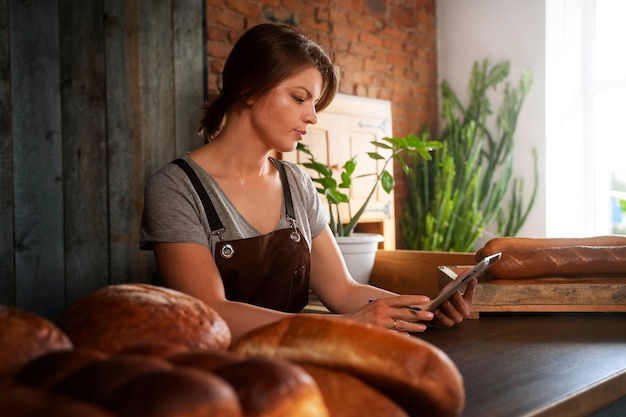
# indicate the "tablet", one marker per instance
pixel 459 282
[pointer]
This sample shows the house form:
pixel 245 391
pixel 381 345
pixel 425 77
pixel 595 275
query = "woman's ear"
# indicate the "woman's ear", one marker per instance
pixel 251 100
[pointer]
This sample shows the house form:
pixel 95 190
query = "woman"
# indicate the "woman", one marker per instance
pixel 259 239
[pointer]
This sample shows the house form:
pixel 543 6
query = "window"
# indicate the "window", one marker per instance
pixel 585 112
pixel 608 88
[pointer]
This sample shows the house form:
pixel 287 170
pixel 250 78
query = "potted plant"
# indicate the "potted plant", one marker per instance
pixel 468 183
pixel 335 186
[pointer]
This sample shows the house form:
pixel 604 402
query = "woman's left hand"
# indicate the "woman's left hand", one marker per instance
pixel 455 309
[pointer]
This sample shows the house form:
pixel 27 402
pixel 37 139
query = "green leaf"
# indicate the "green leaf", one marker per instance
pixel 403 164
pixel 380 144
pixel 387 181
pixel 319 168
pixel 346 180
pixel 375 155
pixel 350 165
pixel 336 197
pixel 303 148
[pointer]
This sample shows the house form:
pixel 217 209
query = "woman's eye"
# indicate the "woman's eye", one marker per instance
pixel 298 99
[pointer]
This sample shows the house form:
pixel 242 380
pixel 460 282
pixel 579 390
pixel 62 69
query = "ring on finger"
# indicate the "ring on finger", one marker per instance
pixel 395 324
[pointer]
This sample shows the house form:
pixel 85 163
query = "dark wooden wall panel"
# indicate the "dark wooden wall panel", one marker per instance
pixel 7 270
pixel 95 96
pixel 125 139
pixel 37 156
pixel 158 83
pixel 83 108
pixel 188 69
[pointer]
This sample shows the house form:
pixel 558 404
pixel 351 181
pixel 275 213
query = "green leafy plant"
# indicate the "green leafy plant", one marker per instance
pixel 464 187
pixel 335 186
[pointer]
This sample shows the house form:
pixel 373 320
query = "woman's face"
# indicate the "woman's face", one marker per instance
pixel 280 117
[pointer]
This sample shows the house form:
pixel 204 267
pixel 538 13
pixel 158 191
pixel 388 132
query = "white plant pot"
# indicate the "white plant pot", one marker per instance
pixel 359 252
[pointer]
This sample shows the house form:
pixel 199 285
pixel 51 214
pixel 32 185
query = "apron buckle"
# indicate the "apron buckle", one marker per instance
pixel 294 235
pixel 227 251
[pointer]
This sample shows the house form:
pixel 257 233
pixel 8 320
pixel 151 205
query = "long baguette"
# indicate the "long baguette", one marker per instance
pixel 574 261
pixel 417 375
pixel 514 244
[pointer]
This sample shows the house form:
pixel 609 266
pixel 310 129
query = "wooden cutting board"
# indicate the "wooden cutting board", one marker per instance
pixel 581 294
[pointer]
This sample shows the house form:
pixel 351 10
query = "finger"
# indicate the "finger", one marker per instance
pixel 450 309
pixel 469 291
pixel 413 314
pixel 442 320
pixel 403 326
pixel 407 300
pixel 461 304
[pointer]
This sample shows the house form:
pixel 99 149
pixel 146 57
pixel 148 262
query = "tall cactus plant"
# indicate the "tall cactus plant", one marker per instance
pixel 468 184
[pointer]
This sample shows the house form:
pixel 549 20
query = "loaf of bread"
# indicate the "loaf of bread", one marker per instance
pixel 274 388
pixel 24 336
pixel 205 360
pixel 508 244
pixel 528 258
pixel 118 317
pixel 25 401
pixel 416 375
pixel 175 393
pixel 49 369
pixel 266 387
pixel 98 380
pixel 347 396
pixel 159 349
pixel 108 383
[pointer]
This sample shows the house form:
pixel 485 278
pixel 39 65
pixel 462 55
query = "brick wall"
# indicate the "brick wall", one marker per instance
pixel 386 49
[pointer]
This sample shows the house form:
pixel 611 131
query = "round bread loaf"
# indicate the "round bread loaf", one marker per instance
pixel 49 369
pixel 158 349
pixel 347 396
pixel 274 388
pixel 206 360
pixel 118 317
pixel 24 336
pixel 23 401
pixel 175 393
pixel 20 400
pixel 98 380
pixel 415 374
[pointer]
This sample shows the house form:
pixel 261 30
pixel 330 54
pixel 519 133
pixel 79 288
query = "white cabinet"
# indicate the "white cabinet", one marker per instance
pixel 347 128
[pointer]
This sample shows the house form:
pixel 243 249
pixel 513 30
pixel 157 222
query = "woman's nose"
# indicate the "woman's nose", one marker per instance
pixel 310 116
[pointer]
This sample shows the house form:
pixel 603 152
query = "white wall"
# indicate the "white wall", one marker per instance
pixel 513 30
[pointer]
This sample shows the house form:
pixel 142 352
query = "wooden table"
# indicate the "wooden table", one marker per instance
pixel 557 364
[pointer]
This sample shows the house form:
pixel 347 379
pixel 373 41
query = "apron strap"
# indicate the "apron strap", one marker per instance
pixel 215 223
pixel 286 190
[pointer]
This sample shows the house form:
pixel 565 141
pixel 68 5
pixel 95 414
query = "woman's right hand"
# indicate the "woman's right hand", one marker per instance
pixel 401 313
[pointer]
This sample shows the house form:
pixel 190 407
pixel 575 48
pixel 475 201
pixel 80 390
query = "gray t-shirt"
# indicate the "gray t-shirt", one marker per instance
pixel 173 212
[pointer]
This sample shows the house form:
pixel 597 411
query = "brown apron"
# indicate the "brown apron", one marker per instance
pixel 270 270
